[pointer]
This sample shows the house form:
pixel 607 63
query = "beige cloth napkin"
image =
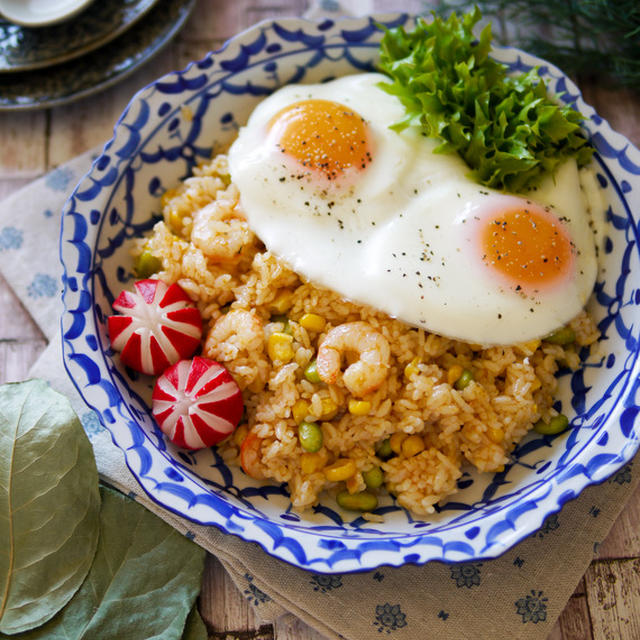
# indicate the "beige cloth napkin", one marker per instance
pixel 518 595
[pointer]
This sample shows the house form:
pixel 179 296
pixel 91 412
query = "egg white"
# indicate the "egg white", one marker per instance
pixel 400 237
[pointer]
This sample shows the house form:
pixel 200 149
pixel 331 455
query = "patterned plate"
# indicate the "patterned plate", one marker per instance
pixel 173 124
pixel 24 49
pixel 99 69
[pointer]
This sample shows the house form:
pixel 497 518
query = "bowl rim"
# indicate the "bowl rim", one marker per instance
pixel 518 532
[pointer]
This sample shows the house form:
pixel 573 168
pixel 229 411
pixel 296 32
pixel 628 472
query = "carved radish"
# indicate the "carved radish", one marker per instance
pixel 197 403
pixel 159 325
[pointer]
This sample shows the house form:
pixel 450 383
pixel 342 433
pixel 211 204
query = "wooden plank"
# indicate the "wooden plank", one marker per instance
pixel 613 594
pixel 89 123
pixel 580 589
pixel 618 106
pixel 556 632
pixel 187 51
pixel 214 19
pixel 292 628
pixel 574 622
pixel 258 11
pixel 23 144
pixel 408 6
pixel 222 606
pixel 623 540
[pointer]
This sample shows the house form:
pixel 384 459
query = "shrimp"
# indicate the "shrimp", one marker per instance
pixel 233 333
pixel 220 231
pixel 237 340
pixel 369 371
pixel 250 455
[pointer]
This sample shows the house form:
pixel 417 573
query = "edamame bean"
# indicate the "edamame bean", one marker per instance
pixel 310 436
pixel 363 501
pixel 147 264
pixel 564 335
pixel 556 425
pixel 373 477
pixel 311 372
pixel 384 450
pixel 463 381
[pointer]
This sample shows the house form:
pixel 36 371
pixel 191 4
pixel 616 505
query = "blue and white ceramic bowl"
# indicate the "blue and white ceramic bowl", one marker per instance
pixel 175 123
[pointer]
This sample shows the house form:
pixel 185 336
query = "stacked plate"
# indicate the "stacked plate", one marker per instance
pixel 52 65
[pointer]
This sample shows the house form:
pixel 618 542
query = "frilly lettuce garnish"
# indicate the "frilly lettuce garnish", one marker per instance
pixel 507 128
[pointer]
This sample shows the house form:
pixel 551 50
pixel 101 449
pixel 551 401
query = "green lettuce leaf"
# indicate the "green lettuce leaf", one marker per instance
pixel 49 504
pixel 143 582
pixel 507 129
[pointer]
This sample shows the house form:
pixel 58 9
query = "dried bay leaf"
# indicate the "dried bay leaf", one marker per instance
pixel 143 582
pixel 49 504
pixel 195 628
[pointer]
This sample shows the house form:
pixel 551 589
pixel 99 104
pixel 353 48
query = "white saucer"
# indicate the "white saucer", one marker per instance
pixel 40 13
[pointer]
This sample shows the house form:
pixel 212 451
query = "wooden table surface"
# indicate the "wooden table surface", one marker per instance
pixel 606 603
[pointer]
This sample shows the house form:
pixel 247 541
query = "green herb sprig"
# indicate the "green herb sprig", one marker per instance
pixel 587 39
pixel 507 129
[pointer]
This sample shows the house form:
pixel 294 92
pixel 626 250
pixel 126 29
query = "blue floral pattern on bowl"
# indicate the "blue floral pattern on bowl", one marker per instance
pixel 177 122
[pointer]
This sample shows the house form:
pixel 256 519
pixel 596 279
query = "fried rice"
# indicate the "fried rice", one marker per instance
pixel 246 296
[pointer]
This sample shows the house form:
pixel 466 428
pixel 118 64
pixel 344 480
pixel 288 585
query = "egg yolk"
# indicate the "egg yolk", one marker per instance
pixel 528 247
pixel 323 136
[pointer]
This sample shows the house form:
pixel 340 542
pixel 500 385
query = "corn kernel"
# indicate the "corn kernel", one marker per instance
pixel 175 221
pixel 329 408
pixel 312 322
pixel 169 194
pixel 359 407
pixel 535 385
pixel 396 441
pixel 495 434
pixel 279 347
pixel 455 371
pixel 341 469
pixel 500 469
pixel 300 411
pixel 412 368
pixel 412 446
pixel 282 302
pixel 240 434
pixel 311 462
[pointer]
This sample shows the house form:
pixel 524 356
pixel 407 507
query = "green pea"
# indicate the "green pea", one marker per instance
pixel 310 436
pixel 311 372
pixel 564 335
pixel 384 450
pixel 147 264
pixel 373 477
pixel 363 501
pixel 463 381
pixel 556 425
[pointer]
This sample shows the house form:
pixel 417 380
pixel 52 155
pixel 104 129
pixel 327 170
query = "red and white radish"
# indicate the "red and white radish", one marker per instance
pixel 197 403
pixel 159 325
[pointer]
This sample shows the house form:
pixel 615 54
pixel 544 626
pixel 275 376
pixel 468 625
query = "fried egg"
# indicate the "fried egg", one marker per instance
pixel 374 214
